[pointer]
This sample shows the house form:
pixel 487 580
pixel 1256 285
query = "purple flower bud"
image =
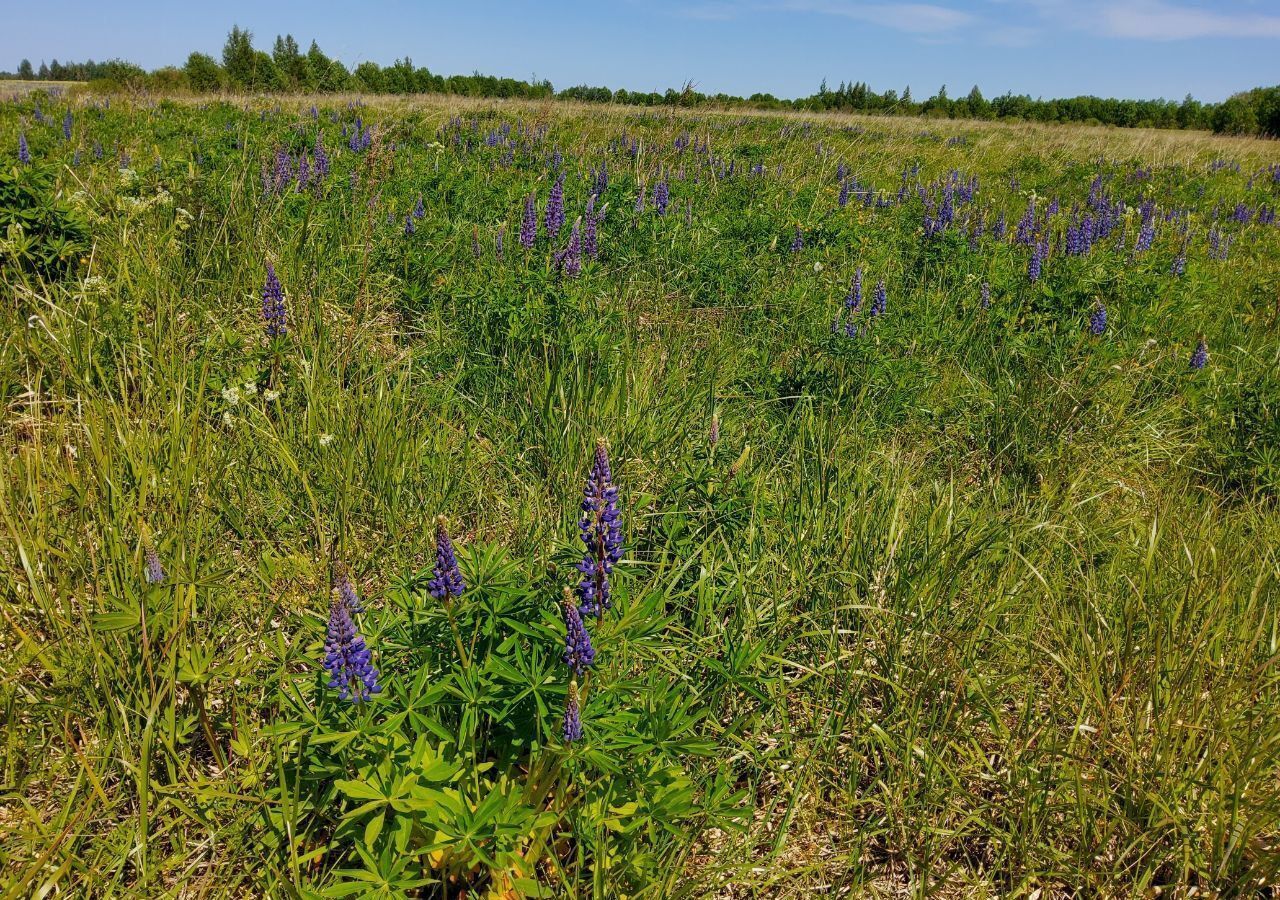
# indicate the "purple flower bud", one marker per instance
pixel 579 655
pixel 601 532
pixel 1146 235
pixel 446 582
pixel 154 571
pixel 1098 320
pixel 661 197
pixel 853 300
pixel 880 302
pixel 572 730
pixel 529 224
pixel 1036 265
pixel 24 152
pixel 273 309
pixel 1200 356
pixel 321 157
pixel 346 591
pixel 589 243
pixel 569 260
pixel 347 659
pixel 553 218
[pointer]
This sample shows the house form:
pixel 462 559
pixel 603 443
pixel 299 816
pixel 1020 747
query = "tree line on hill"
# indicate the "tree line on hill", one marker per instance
pixel 286 69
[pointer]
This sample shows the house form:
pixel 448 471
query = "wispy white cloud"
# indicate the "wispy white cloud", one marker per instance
pixel 1013 36
pixel 709 12
pixel 1144 20
pixel 915 18
pixel 919 18
pixel 1156 20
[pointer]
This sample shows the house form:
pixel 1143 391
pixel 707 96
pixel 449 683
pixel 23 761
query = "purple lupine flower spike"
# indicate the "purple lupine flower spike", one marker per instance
pixel 553 219
pixel 24 151
pixel 321 157
pixel 572 715
pixel 1036 265
pixel 1098 320
pixel 529 224
pixel 853 300
pixel 154 570
pixel 986 295
pixel 273 309
pixel 601 532
pixel 346 589
pixel 570 258
pixel 661 197
pixel 446 583
pixel 579 655
pixel 66 125
pixel 589 244
pixel 347 659
pixel 1200 356
pixel 881 300
pixel 797 243
pixel 283 169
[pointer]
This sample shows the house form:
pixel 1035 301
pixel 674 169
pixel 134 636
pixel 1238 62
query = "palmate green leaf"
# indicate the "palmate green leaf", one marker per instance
pixel 117 621
pixel 359 790
pixel 372 829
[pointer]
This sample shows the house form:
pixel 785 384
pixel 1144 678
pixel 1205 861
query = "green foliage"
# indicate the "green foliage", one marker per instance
pixel 973 603
pixel 203 73
pixel 287 69
pixel 39 233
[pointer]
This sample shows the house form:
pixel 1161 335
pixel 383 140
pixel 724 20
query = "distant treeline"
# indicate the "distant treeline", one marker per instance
pixel 286 69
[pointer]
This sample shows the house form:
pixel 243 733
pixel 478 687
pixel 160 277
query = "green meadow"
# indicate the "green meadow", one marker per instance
pixel 927 587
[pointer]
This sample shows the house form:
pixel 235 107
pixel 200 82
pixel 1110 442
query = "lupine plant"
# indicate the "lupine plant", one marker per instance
pixel 274 316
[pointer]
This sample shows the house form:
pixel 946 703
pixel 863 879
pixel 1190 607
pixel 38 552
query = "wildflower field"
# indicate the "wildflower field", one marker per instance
pixel 452 499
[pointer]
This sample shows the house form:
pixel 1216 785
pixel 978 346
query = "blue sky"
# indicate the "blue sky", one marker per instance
pixel 1122 48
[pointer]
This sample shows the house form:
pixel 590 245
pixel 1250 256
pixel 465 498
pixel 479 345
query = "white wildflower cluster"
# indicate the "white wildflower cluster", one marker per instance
pixel 128 203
